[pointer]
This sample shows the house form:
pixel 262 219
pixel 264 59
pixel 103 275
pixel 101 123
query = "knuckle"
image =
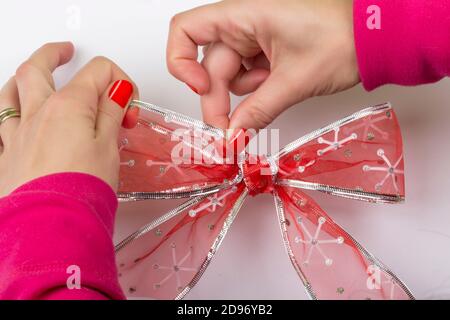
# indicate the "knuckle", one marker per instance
pixel 47 46
pixel 114 117
pixel 257 112
pixel 53 104
pixel 57 99
pixel 24 70
pixel 62 103
pixel 102 60
pixel 171 65
pixel 175 20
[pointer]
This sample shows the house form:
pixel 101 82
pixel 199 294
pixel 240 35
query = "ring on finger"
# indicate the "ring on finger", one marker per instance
pixel 9 113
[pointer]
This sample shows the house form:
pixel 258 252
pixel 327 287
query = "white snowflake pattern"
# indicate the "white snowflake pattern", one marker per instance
pixel 299 168
pixel 164 167
pixel 314 241
pixel 214 202
pixel 302 169
pixel 175 269
pixel 390 169
pixel 369 124
pixel 123 144
pixel 336 143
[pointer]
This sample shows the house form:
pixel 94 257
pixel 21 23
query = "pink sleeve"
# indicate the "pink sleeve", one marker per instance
pixel 50 224
pixel 412 45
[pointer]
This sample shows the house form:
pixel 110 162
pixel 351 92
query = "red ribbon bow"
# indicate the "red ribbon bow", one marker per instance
pixel 358 157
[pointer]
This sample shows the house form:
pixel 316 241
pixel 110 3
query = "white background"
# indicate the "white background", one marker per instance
pixel 412 238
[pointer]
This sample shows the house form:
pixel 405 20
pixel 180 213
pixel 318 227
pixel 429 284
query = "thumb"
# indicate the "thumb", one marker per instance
pixel 113 106
pixel 258 110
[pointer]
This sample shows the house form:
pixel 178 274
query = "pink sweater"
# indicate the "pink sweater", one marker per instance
pixel 66 220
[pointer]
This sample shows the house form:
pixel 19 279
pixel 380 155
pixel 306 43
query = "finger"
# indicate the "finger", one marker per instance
pixel 205 49
pixel 34 77
pixel 222 64
pixel 112 108
pixel 216 105
pixel 259 61
pixel 131 116
pixel 248 81
pixel 189 30
pixel 260 108
pixel 82 94
pixel 9 98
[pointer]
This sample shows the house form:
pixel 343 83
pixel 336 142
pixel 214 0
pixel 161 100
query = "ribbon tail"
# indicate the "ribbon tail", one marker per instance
pixel 330 262
pixel 166 258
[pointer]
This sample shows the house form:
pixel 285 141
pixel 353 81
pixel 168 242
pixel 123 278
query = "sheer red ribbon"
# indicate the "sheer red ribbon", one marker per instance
pixel 359 157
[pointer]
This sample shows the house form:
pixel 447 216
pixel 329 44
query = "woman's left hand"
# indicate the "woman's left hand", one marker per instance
pixel 74 129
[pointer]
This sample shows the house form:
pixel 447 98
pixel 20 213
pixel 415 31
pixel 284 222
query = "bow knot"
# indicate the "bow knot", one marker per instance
pixel 259 174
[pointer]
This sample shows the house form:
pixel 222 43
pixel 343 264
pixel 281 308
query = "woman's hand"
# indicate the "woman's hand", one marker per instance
pixel 280 51
pixel 74 129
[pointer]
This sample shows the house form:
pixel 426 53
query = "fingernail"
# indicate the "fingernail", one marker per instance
pixel 121 92
pixel 192 88
pixel 130 119
pixel 239 138
pixel 234 135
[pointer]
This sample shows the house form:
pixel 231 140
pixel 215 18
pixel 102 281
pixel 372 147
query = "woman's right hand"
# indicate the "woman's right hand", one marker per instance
pixel 291 50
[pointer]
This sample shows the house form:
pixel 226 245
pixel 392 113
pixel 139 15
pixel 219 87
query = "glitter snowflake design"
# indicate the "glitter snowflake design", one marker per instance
pixel 164 167
pixel 298 168
pixel 299 201
pixel 390 169
pixel 214 202
pixel 336 143
pixel 369 125
pixel 314 241
pixel 175 269
pixel 302 169
pixel 123 144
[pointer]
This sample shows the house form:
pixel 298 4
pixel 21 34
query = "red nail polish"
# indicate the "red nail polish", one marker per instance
pixel 239 139
pixel 121 92
pixel 192 88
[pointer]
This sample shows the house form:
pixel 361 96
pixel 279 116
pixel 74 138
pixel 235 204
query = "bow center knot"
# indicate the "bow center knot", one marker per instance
pixel 259 174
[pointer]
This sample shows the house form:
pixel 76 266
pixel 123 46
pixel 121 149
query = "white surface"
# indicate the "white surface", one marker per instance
pixel 413 238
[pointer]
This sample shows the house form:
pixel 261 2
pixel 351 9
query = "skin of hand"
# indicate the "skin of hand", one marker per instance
pixel 74 129
pixel 279 52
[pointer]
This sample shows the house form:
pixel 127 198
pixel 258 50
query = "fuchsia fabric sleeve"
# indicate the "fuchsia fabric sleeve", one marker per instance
pixel 411 47
pixel 54 222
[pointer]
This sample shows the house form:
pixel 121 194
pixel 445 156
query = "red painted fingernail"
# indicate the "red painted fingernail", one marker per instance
pixel 121 92
pixel 192 88
pixel 239 138
pixel 235 134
